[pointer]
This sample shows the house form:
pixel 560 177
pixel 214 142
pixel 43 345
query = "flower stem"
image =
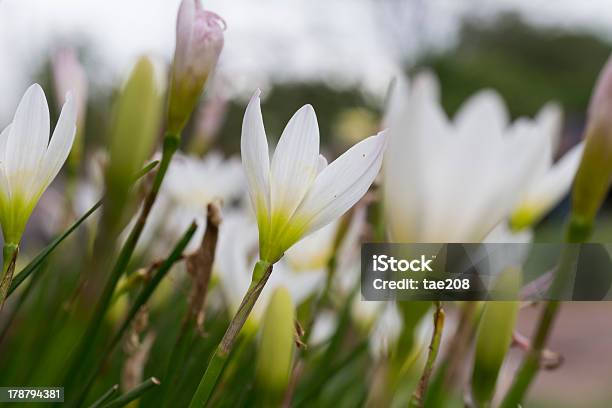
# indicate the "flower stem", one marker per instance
pixel 142 298
pixel 418 396
pixel 82 351
pixel 261 273
pixel 531 362
pixel 9 254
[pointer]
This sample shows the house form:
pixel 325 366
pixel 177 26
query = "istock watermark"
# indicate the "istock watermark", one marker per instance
pixel 471 271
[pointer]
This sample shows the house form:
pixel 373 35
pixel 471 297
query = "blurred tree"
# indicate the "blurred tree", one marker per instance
pixel 528 65
pixel 281 102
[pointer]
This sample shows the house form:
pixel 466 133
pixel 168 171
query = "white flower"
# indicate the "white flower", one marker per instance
pixel 550 181
pixel 28 160
pixel 296 193
pixel 235 257
pixel 315 250
pixel 323 329
pixel 454 181
pixel 190 185
pixel 386 331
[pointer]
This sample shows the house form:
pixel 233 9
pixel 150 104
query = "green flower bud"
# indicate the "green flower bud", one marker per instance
pixel 595 171
pixel 136 126
pixel 495 336
pixel 275 355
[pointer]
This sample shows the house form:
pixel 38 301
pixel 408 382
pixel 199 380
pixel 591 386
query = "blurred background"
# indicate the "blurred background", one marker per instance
pixel 340 56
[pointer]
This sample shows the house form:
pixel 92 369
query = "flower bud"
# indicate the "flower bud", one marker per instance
pixel 495 336
pixel 595 171
pixel 69 76
pixel 276 347
pixel 137 117
pixel 199 40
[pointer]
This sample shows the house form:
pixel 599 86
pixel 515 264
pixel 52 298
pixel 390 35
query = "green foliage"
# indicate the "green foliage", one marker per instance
pixel 529 66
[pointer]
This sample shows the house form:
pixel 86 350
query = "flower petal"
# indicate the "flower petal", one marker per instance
pixel 4 188
pixel 28 139
pixel 549 121
pixel 255 157
pixel 418 128
pixel 295 163
pixel 483 115
pixel 60 144
pixel 342 183
pixel 546 191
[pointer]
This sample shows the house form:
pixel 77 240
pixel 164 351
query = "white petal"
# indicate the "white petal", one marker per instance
pixel 4 188
pixel 518 162
pixel 342 183
pixel 546 192
pixel 484 116
pixel 296 161
pixel 255 156
pixel 300 284
pixel 60 144
pixel 321 164
pixel 417 127
pixel 549 122
pixel 28 139
pixel 386 331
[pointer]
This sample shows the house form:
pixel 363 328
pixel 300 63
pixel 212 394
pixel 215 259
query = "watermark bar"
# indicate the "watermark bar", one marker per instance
pixel 31 394
pixel 460 272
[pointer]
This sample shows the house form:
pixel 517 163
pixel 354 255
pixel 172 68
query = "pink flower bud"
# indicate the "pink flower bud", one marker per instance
pixel 69 77
pixel 199 40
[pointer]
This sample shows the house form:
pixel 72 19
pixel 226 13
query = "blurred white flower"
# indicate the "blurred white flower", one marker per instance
pixel 454 181
pixel 297 193
pixel 29 161
pixel 235 257
pixel 551 180
pixel 386 331
pixel 315 250
pixel 323 328
pixel 190 185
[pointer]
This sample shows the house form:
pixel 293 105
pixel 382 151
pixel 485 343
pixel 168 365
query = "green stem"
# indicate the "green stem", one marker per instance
pixel 133 394
pixel 82 351
pixel 531 362
pixel 261 273
pixel 9 254
pixel 15 310
pixel 418 396
pixel 141 299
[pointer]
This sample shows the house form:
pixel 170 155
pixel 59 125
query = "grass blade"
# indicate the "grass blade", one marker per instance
pixel 40 258
pixel 133 394
pixel 105 397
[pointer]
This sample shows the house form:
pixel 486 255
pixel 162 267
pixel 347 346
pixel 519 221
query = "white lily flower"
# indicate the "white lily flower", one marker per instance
pixel 190 185
pixel 235 257
pixel 551 180
pixel 296 193
pixel 454 181
pixel 29 161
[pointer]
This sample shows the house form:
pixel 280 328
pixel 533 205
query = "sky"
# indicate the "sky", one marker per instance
pixel 347 43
